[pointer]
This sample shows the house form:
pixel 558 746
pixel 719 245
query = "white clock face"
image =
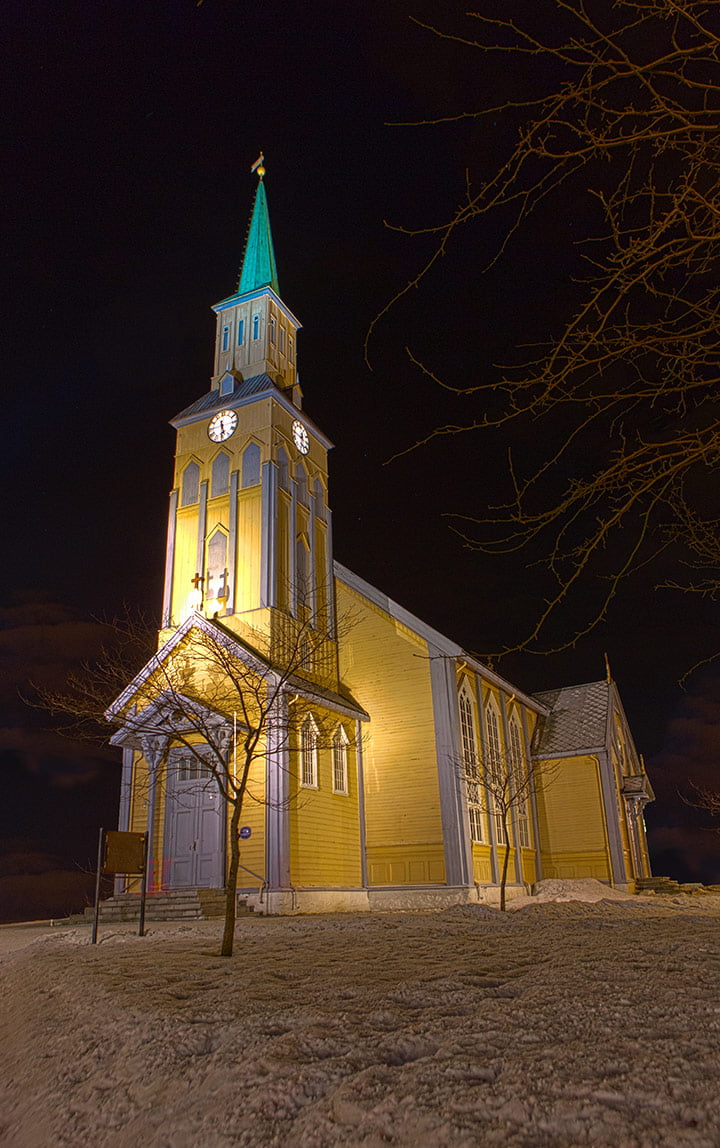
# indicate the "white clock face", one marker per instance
pixel 300 437
pixel 222 425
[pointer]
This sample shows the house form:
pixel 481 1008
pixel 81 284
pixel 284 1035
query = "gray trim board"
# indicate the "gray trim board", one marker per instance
pixel 332 611
pixel 169 559
pixel 202 528
pixel 458 853
pixel 312 583
pixel 533 798
pixel 509 765
pixel 609 793
pixel 277 821
pixel 361 804
pixel 292 555
pixel 232 540
pixel 269 531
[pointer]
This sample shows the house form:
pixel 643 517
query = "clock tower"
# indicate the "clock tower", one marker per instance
pixel 249 533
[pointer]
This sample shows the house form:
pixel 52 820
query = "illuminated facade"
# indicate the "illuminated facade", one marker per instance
pixel 384 793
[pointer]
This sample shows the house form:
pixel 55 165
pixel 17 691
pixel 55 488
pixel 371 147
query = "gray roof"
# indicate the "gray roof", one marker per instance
pixel 577 720
pixel 213 400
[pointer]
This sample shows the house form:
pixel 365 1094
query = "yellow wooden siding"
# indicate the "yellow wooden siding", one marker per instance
pixel 406 865
pixel 282 560
pixel 387 668
pixel 252 849
pixel 573 836
pixel 482 864
pixel 248 553
pixel 325 826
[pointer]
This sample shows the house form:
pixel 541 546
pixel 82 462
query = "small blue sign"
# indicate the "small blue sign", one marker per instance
pixel 245 832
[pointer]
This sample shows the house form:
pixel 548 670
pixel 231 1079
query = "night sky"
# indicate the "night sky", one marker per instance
pixel 132 130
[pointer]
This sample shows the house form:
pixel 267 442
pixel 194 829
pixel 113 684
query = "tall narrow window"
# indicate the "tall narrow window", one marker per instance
pixel 220 475
pixel 496 771
pixel 283 469
pixel 251 465
pixel 309 752
pixel 301 572
pixel 240 332
pixel 272 329
pixel 470 763
pixel 190 484
pixel 256 326
pixel 281 334
pixel 225 338
pixel 520 782
pixel 340 761
pixel 291 348
pixel 319 499
pixel 217 574
pixel 301 479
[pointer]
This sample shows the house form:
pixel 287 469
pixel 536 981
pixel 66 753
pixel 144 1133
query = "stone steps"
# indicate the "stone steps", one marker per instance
pixel 667 885
pixel 173 905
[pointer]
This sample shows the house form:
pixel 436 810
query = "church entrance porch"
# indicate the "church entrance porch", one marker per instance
pixel 194 845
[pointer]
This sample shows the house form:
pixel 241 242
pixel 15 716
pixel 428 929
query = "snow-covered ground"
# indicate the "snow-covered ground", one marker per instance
pixel 558 1024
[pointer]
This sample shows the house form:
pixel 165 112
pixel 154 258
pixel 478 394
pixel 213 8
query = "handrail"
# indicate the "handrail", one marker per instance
pixel 262 880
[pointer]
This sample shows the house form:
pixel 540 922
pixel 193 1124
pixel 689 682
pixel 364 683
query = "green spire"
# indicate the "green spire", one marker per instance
pixel 258 265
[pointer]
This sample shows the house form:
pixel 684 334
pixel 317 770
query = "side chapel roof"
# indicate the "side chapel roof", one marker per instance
pixel 577 720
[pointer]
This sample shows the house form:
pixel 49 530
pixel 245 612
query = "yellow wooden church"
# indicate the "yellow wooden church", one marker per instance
pixel 349 755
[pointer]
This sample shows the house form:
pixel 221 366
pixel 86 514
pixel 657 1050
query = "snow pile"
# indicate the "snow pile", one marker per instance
pixel 582 889
pixel 429 1030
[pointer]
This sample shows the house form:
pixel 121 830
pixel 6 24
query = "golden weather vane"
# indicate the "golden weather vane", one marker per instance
pixel 258 166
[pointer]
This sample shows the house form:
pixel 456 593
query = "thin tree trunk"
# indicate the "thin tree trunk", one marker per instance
pixel 226 949
pixel 503 880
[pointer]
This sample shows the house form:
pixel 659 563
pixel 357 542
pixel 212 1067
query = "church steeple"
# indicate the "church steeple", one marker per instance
pixel 256 333
pixel 258 265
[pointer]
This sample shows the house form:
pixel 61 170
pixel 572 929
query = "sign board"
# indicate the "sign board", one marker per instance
pixel 124 852
pixel 245 832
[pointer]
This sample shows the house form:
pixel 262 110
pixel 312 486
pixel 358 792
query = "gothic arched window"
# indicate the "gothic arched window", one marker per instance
pixel 319 499
pixel 470 763
pixel 340 761
pixel 283 469
pixel 309 737
pixel 301 572
pixel 301 480
pixel 217 565
pixel 520 781
pixel 220 475
pixel 190 484
pixel 251 465
pixel 497 772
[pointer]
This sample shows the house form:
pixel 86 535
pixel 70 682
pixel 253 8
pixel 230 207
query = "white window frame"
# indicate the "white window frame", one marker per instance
pixel 309 737
pixel 520 775
pixel 495 763
pixel 340 761
pixel 471 766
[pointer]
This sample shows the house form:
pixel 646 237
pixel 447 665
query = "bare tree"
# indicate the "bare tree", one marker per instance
pixel 616 121
pixel 227 701
pixel 502 789
pixel 706 799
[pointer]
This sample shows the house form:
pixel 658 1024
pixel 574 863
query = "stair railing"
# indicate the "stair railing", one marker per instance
pixel 263 882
